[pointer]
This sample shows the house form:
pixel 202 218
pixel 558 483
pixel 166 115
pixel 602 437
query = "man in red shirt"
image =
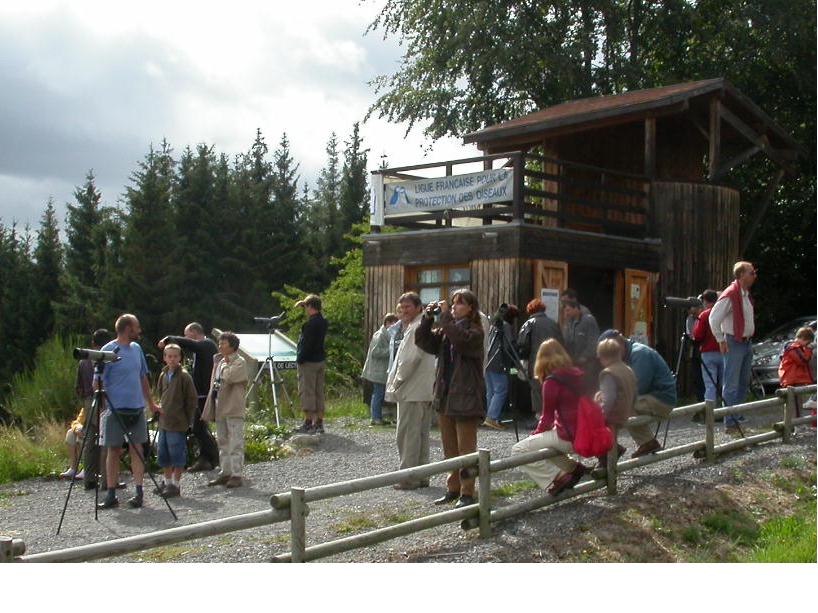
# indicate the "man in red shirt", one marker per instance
pixel 712 361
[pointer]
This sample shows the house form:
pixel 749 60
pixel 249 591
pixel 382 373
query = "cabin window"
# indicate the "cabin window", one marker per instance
pixel 437 282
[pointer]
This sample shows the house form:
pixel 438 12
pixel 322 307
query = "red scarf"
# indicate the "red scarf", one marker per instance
pixel 733 292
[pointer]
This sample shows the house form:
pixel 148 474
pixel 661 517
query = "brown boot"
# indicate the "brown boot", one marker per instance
pixel 234 481
pixel 220 480
pixel 651 446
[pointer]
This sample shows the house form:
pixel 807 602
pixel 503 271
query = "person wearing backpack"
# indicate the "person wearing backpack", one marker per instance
pixel 561 382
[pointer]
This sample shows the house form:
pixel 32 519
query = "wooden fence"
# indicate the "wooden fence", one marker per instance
pixel 293 506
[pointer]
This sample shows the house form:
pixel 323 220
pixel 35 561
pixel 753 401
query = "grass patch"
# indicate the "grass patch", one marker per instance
pixel 171 553
pixel 355 524
pixel 693 536
pixel 347 406
pixel 787 539
pixel 35 453
pixel 512 489
pixel 735 525
pixel 397 518
pixel 793 462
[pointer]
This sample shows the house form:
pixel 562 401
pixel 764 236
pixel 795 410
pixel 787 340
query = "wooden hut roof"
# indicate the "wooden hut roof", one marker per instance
pixel 588 113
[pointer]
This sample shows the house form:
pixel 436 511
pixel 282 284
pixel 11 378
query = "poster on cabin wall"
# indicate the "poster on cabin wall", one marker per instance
pixel 551 299
pixel 468 191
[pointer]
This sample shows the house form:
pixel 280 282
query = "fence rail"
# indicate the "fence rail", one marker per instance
pixel 292 506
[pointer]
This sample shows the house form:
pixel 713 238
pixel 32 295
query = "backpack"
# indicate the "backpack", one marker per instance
pixel 593 437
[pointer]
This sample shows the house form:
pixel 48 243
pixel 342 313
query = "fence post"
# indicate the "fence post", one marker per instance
pixel 709 433
pixel 484 491
pixel 611 461
pixel 789 411
pixel 298 525
pixel 6 549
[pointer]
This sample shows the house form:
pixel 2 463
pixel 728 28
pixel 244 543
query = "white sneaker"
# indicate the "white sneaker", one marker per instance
pixel 68 474
pixel 810 404
pixel 80 475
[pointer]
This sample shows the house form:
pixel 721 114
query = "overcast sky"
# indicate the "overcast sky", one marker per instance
pixel 89 84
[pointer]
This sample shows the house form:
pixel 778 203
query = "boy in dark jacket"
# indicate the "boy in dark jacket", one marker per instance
pixel 177 406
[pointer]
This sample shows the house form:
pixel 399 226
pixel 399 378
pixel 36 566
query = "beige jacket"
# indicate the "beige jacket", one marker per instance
pixel 229 401
pixel 413 377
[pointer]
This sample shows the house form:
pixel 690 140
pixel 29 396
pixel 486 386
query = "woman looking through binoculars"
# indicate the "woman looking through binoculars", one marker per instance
pixel 460 389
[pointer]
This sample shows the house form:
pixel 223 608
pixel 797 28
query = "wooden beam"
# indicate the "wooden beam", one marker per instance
pixel 699 127
pixel 650 147
pixel 735 161
pixel 714 137
pixel 758 214
pixel 752 136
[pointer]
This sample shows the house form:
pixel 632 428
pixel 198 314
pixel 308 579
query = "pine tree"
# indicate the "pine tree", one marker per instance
pixel 288 261
pixel 47 272
pixel 354 200
pixel 147 235
pixel 16 323
pixel 86 251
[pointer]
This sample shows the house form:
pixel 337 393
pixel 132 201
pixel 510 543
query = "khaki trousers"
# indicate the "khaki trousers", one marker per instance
pixel 230 438
pixel 545 471
pixel 647 405
pixel 412 435
pixel 459 437
pixel 311 388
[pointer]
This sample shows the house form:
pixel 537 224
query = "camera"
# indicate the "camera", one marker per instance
pixel 500 316
pixel 271 322
pixel 106 357
pixel 433 308
pixel 684 303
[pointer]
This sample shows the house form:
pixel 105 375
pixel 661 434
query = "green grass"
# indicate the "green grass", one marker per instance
pixel 168 553
pixel 355 524
pixel 512 489
pixel 736 525
pixel 347 406
pixel 36 453
pixel 793 462
pixel 787 539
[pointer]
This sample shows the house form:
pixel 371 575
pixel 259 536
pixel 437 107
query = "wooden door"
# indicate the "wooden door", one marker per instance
pixel 553 275
pixel 637 305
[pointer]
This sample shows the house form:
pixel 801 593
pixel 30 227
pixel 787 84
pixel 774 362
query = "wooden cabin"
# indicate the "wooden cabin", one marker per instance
pixel 618 197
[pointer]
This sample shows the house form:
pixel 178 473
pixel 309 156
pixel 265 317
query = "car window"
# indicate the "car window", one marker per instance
pixel 788 330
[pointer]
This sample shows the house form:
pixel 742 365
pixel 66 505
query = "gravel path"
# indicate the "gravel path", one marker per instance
pixel 30 509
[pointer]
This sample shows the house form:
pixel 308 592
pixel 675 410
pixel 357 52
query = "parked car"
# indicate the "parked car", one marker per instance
pixel 767 351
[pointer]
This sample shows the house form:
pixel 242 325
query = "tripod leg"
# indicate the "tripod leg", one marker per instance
pixel 76 464
pixel 273 382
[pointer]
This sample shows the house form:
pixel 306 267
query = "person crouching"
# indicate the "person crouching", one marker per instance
pixel 225 406
pixel 177 406
pixel 561 383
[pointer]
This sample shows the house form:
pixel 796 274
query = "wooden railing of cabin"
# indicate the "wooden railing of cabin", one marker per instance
pixel 549 192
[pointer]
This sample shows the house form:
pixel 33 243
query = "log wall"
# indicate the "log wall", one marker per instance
pixel 699 228
pixel 383 286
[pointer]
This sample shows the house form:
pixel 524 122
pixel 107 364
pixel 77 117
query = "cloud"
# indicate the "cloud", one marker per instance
pixel 93 84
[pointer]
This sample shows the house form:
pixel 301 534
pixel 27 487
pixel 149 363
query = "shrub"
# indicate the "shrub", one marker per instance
pixel 46 392
pixel 36 454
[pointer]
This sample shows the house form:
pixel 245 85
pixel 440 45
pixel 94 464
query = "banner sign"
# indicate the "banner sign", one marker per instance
pixel 469 191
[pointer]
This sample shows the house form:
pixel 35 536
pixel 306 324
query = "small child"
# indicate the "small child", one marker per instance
pixel 73 438
pixel 795 360
pixel 617 389
pixel 177 406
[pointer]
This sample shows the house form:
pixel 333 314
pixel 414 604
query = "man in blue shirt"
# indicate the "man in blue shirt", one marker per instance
pixel 128 393
pixel 656 388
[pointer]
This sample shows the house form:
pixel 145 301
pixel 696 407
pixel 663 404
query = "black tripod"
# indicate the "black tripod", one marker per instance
pixel 94 417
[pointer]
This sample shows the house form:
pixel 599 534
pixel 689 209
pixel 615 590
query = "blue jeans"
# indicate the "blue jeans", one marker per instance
pixel 738 364
pixel 376 403
pixel 712 373
pixel 496 393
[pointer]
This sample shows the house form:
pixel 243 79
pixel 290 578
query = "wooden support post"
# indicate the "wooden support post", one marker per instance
pixel 650 147
pixel 789 411
pixel 298 524
pixel 612 459
pixel 6 549
pixel 715 138
pixel 761 208
pixel 517 197
pixel 484 491
pixel 710 430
